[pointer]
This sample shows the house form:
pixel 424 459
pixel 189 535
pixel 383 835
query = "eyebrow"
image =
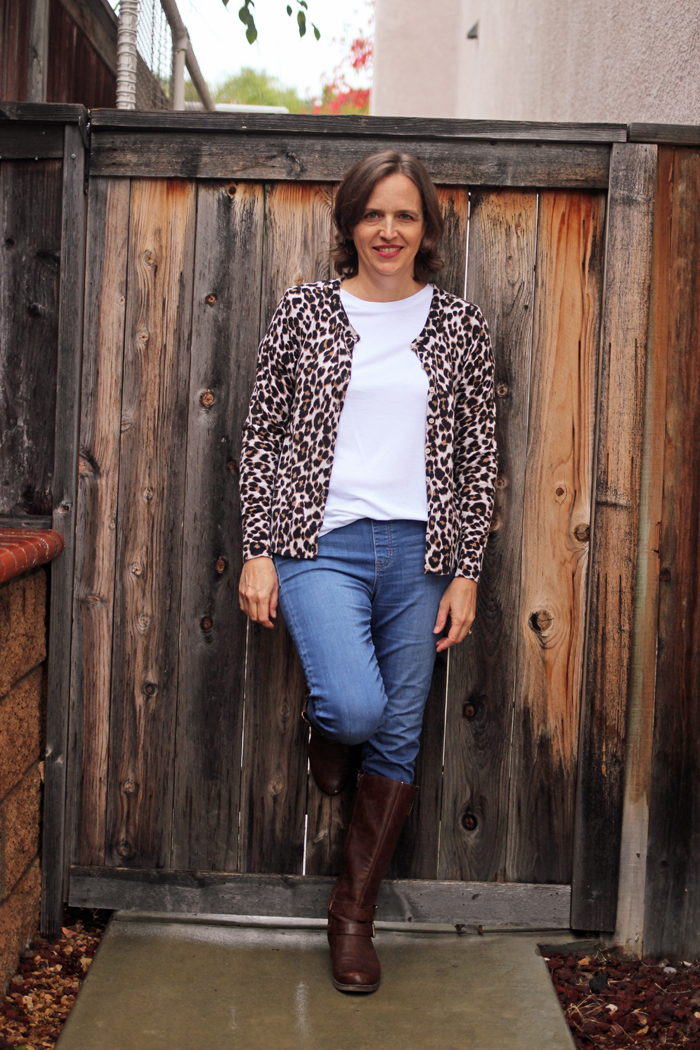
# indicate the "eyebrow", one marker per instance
pixel 408 211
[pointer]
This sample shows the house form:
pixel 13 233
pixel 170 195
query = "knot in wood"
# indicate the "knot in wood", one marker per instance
pixel 231 189
pixel 124 848
pixel 276 785
pixel 136 568
pixel 582 532
pixel 501 389
pixel 469 710
pixel 560 492
pixel 232 466
pixel 63 507
pixel 220 565
pixel 143 335
pixel 143 623
pixel 469 821
pixel 206 623
pixel 665 575
pixel 298 277
pixel 501 481
pixel 207 398
pixel 112 524
pixel 129 786
pixel 284 711
pixel 93 598
pixel 541 621
pixel 495 522
pixel 149 257
pixel 148 494
pixel 150 689
pixel 211 299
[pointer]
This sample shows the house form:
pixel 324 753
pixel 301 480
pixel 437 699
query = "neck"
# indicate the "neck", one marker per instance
pixel 377 289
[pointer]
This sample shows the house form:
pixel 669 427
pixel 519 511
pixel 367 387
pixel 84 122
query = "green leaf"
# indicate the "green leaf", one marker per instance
pixel 301 22
pixel 317 31
pixel 289 10
pixel 251 33
pixel 303 3
pixel 244 15
pixel 225 3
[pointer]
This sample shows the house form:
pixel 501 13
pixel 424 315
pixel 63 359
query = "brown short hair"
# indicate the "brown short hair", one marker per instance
pixel 355 190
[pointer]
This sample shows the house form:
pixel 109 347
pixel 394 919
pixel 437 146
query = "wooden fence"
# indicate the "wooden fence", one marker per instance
pixel 176 762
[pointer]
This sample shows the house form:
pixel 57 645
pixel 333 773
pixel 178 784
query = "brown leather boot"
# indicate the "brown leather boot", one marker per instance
pixel 381 807
pixel 331 763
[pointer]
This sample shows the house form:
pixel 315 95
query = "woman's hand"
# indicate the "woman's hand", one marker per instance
pixel 459 601
pixel 258 590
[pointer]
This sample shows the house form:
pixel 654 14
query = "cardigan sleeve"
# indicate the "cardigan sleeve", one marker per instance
pixel 265 427
pixel 475 459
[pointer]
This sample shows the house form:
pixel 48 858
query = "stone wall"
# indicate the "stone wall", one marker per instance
pixel 22 712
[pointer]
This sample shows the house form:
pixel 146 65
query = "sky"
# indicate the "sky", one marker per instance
pixel 218 38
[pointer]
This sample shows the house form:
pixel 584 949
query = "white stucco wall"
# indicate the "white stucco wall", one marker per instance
pixel 567 60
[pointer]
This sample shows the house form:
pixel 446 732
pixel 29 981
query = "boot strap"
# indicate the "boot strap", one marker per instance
pixel 347 910
pixel 338 924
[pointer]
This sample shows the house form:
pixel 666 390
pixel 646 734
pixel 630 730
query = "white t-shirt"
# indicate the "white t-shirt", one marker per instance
pixel 379 460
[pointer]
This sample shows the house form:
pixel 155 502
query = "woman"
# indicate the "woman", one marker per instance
pixel 367 475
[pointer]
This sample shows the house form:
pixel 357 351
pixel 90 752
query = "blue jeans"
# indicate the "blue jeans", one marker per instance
pixel 361 615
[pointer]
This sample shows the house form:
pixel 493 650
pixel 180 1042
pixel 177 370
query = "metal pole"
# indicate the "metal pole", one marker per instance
pixel 183 54
pixel 126 54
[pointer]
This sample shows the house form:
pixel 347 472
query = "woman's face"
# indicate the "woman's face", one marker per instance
pixel 389 234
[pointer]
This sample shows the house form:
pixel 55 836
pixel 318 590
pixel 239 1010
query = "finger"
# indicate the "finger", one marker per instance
pixel 441 620
pixel 274 599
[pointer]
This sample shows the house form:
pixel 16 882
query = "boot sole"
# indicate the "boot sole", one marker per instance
pixel 362 988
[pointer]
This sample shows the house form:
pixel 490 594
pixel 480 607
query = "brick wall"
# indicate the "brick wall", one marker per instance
pixel 22 706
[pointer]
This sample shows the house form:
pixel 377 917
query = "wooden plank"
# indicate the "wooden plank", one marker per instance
pixel 501 274
pixel 629 929
pixel 220 155
pixel 150 515
pixel 29 300
pixel 225 323
pixel 98 23
pixel 671 134
pixel 556 530
pixel 14 48
pixel 613 559
pixel 274 776
pixel 38 50
pixel 401 127
pixel 25 521
pixel 416 855
pixel 402 900
pixel 30 142
pixel 41 113
pixel 96 531
pixel 65 474
pixel 672 919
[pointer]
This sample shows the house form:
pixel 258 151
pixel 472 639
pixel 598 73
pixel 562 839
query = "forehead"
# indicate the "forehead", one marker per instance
pixel 395 191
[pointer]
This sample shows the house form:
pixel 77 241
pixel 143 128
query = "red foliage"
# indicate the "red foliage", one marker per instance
pixel 339 97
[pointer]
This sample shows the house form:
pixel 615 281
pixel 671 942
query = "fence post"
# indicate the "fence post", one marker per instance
pixel 38 51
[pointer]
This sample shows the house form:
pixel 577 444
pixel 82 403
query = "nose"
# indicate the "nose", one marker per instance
pixel 387 230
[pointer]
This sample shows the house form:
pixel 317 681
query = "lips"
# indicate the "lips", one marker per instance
pixel 387 251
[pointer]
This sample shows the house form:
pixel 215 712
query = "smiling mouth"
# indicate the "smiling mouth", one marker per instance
pixel 388 250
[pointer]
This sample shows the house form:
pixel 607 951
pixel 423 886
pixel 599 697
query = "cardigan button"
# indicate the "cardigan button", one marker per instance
pixel 431 420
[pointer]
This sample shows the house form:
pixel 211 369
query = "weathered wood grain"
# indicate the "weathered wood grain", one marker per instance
pixel 501 273
pixel 614 553
pixel 65 482
pixel 629 928
pixel 150 518
pixel 274 777
pixel 401 900
pixel 220 155
pixel 30 203
pixel 672 919
pixel 556 529
pixel 401 127
pixel 40 113
pixel 670 134
pixel 97 519
pixel 416 855
pixel 225 326
pixel 38 50
pixel 30 141
pixel 14 48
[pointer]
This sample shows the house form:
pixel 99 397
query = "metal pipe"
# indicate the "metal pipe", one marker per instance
pixel 126 54
pixel 183 54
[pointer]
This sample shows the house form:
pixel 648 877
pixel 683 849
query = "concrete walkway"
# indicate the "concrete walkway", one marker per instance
pixel 197 985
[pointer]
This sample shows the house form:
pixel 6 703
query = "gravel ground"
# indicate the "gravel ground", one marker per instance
pixel 608 1001
pixel 611 1002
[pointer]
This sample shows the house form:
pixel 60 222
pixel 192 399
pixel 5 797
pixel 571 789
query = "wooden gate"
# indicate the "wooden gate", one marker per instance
pixel 187 771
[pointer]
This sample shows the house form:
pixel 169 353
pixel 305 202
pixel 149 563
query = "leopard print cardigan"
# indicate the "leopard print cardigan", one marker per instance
pixel 303 371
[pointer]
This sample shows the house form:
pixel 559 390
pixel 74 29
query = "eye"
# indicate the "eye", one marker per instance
pixel 370 215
